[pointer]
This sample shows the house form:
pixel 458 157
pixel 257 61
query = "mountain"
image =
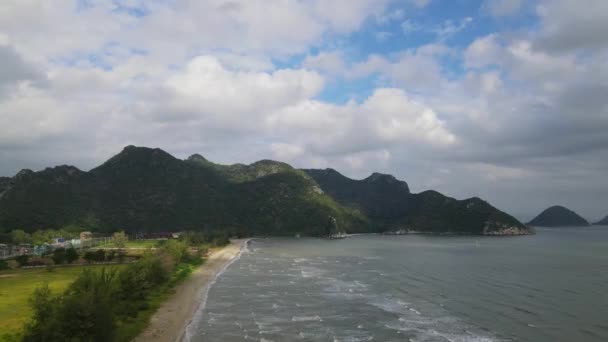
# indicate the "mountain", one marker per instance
pixel 145 190
pixel 602 222
pixel 558 216
pixel 390 206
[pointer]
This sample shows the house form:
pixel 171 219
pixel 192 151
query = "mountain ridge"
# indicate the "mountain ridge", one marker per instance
pixel 602 222
pixel 147 189
pixel 558 216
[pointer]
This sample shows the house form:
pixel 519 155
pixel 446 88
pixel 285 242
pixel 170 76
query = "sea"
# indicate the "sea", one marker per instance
pixel 552 286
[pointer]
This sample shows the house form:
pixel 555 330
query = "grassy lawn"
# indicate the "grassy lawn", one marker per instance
pixel 135 244
pixel 16 286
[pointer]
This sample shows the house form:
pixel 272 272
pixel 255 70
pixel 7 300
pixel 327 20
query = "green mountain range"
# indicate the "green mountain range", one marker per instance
pixel 146 190
pixel 558 216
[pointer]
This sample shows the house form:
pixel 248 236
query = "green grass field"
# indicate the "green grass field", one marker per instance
pixel 16 287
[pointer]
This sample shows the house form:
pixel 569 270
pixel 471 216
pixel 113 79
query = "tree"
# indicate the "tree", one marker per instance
pixel 59 256
pixel 22 260
pixel 178 250
pixel 89 256
pixel 121 256
pixel 120 239
pixel 43 324
pixel 20 236
pixel 71 255
pixel 3 265
pixel 85 311
pixel 100 255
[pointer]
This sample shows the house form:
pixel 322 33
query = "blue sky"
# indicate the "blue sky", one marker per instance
pixel 502 99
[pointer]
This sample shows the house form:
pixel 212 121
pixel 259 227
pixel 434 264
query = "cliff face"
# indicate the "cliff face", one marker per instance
pixel 558 216
pixel 144 189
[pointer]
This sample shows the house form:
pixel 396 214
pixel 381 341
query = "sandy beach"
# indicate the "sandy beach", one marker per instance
pixel 173 316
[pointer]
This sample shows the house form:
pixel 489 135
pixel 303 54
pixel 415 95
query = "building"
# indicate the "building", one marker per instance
pixel 86 235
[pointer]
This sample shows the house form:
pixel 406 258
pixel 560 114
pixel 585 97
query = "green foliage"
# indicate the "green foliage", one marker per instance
pixel 3 265
pixel 92 307
pixel 100 255
pixel 120 239
pixel 197 238
pixel 89 256
pixel 389 205
pixel 22 260
pixel 71 255
pixel 43 236
pixel 19 236
pixel 59 256
pixel 142 187
pixel 178 250
pixel 85 311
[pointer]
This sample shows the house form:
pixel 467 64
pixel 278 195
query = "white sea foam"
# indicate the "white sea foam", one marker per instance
pixel 306 319
pixel 198 315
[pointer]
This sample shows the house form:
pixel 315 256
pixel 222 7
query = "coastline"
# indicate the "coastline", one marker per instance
pixel 170 321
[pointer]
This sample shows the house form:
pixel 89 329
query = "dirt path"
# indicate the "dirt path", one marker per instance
pixel 170 321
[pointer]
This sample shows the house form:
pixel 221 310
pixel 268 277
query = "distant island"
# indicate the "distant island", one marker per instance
pixel 148 190
pixel 558 216
pixel 602 222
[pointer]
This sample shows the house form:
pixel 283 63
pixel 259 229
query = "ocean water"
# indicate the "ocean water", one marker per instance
pixel 549 287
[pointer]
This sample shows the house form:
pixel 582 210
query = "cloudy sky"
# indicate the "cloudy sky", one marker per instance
pixel 503 99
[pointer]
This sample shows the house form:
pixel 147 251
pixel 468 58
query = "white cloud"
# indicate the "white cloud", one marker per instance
pixel 388 117
pixel 502 8
pixel 482 52
pixel 569 25
pixel 205 86
pixel 328 62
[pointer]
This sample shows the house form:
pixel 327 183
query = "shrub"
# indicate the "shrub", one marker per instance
pixel 110 255
pixel 85 312
pixel 22 260
pixel 89 256
pixel 3 265
pixel 100 255
pixel 119 239
pixel 71 255
pixel 121 256
pixel 178 250
pixel 59 256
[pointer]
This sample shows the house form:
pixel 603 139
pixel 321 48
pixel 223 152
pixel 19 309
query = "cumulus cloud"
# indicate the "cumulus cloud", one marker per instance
pixel 568 25
pixel 329 62
pixel 509 114
pixel 501 8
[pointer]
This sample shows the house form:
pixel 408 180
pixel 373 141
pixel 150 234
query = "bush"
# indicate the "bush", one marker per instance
pixel 121 256
pixel 119 239
pixel 136 281
pixel 89 256
pixel 178 250
pixel 91 308
pixel 59 256
pixel 100 255
pixel 85 312
pixel 3 265
pixel 110 255
pixel 22 260
pixel 71 255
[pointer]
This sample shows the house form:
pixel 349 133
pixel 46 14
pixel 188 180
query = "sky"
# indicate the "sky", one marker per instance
pixel 502 99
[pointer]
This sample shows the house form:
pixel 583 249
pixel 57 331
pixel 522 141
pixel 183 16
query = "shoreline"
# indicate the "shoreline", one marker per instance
pixel 170 321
